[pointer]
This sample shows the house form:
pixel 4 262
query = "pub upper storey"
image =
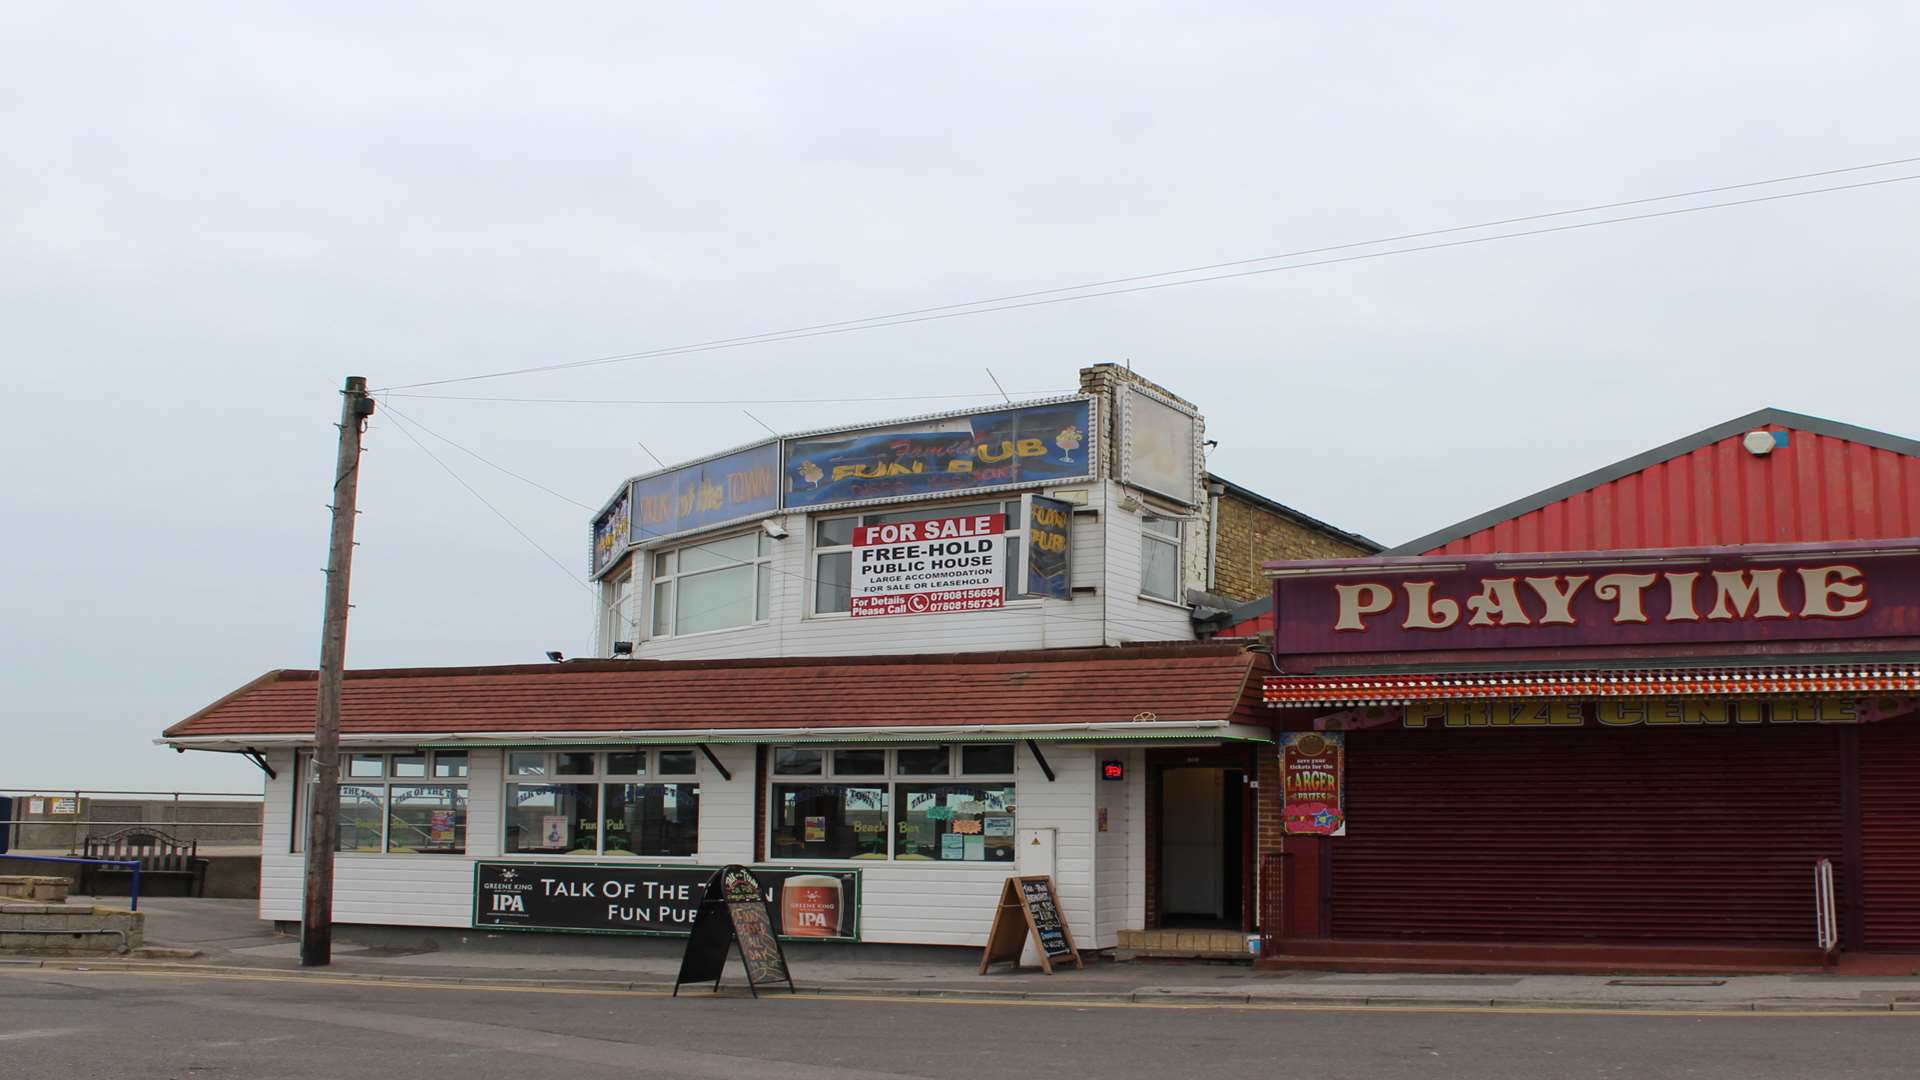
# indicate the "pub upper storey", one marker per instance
pixel 1084 519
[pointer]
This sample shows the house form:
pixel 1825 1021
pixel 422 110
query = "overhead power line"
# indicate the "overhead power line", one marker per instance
pixel 385 394
pixel 1042 297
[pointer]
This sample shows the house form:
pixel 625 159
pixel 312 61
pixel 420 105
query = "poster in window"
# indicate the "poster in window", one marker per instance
pixel 440 829
pixel 817 830
pixel 1050 548
pixel 1313 782
pixel 1159 446
pixel 1032 444
pixel 953 846
pixel 553 832
pixel 929 567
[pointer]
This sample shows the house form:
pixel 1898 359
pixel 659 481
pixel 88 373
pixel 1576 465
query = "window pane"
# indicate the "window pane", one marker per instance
pixel 719 554
pixel 410 766
pixel 833 532
pixel 1012 510
pixel 765 546
pixel 1166 527
pixel 829 821
pixel 552 818
pixel 926 761
pixel 527 764
pixel 627 763
pixel 366 765
pixel 995 760
pixel 663 564
pixel 361 812
pixel 573 764
pixel 859 763
pixel 796 761
pixel 677 763
pixel 716 600
pixel 450 763
pixel 956 823
pixel 663 609
pixel 833 582
pixel 428 819
pixel 1159 569
pixel 1015 586
pixel 653 819
pixel 763 592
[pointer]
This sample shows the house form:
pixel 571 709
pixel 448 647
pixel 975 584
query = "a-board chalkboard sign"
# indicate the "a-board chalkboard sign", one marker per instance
pixel 732 912
pixel 1028 909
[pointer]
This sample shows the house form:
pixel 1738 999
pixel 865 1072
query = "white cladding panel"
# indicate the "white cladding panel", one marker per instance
pixel 1115 865
pixel 1106 559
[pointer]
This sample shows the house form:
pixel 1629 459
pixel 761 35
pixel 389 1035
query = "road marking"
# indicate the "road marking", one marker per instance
pixel 37 1033
pixel 1163 1006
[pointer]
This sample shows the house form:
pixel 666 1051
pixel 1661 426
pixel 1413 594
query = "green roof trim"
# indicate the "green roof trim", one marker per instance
pixel 853 738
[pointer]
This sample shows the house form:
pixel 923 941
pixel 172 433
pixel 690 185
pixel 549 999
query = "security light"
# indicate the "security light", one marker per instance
pixel 554 655
pixel 774 529
pixel 622 648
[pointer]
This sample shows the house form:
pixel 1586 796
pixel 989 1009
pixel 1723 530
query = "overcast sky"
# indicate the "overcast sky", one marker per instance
pixel 212 213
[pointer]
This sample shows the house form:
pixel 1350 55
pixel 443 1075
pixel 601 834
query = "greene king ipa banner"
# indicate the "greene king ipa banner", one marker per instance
pixel 1313 775
pixel 624 898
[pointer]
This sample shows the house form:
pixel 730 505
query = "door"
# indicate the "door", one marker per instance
pixel 1192 855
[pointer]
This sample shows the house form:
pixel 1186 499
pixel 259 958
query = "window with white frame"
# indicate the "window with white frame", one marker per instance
pixel 631 801
pixel 617 621
pixel 833 547
pixel 912 804
pixel 1160 558
pixel 713 585
pixel 402 802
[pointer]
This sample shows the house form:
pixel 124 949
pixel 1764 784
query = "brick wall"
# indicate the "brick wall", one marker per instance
pixel 1252 534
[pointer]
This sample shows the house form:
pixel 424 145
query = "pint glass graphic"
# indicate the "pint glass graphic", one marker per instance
pixel 810 906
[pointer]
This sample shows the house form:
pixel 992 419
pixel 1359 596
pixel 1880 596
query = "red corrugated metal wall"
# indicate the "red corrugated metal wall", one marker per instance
pixel 1890 834
pixel 1677 836
pixel 1817 488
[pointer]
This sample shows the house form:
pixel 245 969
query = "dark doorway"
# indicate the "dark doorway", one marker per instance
pixel 1201 835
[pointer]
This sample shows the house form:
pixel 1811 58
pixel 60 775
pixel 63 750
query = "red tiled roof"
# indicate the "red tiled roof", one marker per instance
pixel 1179 684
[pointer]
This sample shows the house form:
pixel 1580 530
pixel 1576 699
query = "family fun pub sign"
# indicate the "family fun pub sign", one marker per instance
pixel 1754 593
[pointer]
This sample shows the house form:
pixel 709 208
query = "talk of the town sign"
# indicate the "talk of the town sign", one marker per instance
pixel 1758 593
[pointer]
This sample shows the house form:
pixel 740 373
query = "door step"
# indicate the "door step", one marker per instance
pixel 1183 945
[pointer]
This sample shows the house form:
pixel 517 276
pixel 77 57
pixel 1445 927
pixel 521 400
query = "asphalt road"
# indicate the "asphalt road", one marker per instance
pixel 76 1025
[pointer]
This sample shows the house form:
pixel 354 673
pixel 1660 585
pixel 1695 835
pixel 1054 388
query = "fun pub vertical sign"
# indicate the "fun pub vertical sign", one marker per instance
pixel 1313 776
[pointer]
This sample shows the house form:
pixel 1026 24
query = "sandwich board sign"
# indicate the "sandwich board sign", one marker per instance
pixel 733 913
pixel 1028 908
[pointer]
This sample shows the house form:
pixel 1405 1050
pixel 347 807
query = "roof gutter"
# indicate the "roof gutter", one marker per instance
pixel 1206 729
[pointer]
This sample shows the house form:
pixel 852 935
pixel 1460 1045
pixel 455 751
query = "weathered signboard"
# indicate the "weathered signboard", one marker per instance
pixel 1757 593
pixel 1026 445
pixel 1049 548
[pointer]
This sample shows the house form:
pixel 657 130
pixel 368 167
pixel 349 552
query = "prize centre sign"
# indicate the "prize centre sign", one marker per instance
pixel 930 567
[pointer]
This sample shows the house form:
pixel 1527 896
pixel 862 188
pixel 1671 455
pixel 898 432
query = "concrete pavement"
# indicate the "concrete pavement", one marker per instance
pixel 230 938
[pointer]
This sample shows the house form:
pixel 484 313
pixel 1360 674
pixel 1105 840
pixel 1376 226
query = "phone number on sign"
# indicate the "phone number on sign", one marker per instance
pixel 930 603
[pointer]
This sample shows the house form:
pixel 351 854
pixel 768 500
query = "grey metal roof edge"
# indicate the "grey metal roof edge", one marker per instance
pixel 1646 458
pixel 1374 546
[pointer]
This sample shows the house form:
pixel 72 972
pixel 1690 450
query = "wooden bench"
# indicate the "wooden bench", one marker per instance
pixel 158 854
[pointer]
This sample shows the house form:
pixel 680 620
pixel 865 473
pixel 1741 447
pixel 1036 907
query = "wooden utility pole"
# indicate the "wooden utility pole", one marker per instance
pixel 323 793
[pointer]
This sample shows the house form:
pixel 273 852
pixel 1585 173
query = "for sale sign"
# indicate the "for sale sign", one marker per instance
pixel 930 567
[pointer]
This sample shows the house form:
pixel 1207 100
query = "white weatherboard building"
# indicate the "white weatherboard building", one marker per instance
pixel 885 665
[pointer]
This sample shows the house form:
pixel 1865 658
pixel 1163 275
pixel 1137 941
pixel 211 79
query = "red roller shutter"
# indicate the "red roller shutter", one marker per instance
pixel 1590 835
pixel 1890 834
